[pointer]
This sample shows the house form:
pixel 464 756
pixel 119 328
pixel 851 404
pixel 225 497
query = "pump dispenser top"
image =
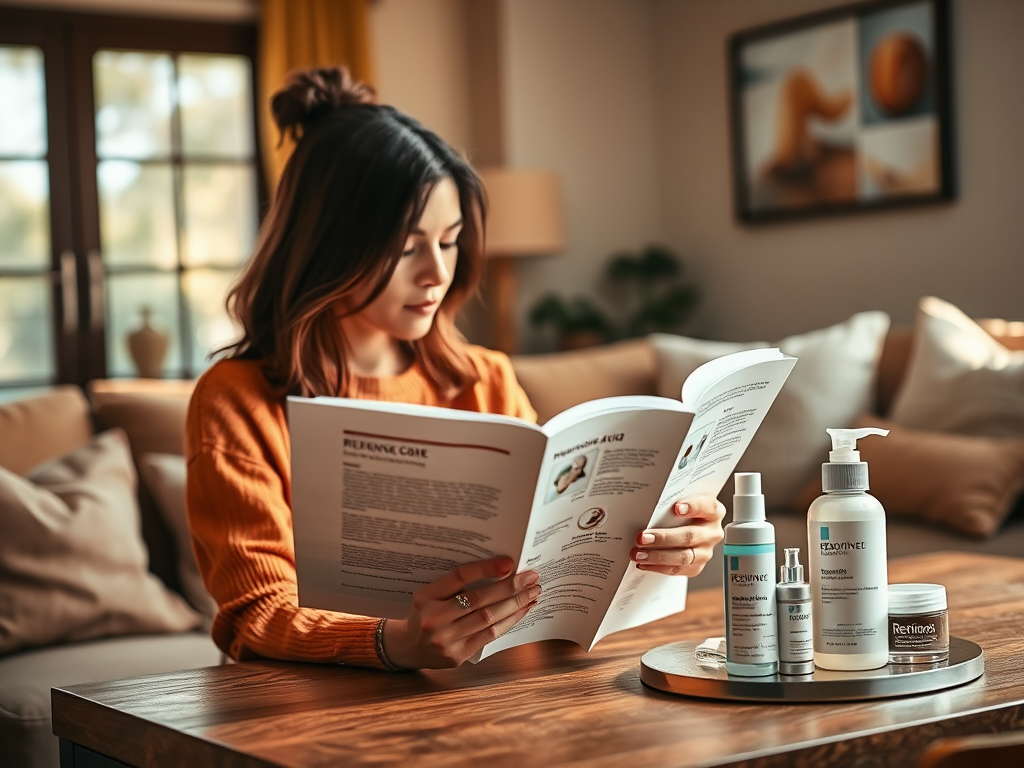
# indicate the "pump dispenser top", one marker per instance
pixel 844 443
pixel 844 470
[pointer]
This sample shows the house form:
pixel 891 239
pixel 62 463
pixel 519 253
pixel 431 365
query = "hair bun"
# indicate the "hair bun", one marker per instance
pixel 311 94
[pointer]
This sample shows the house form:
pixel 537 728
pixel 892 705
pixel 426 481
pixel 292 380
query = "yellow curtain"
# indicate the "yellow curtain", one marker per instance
pixel 296 34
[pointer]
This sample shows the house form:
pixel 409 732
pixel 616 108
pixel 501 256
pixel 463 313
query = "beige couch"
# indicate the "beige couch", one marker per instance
pixel 556 382
pixel 33 431
pixel 152 413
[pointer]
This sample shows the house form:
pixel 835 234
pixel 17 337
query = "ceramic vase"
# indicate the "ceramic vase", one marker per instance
pixel 148 347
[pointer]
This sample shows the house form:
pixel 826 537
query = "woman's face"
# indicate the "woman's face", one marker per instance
pixel 405 309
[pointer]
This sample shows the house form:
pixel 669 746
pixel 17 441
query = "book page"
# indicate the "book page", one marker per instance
pixel 599 481
pixel 383 503
pixel 727 413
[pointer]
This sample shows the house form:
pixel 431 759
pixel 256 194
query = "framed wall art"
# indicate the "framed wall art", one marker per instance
pixel 845 110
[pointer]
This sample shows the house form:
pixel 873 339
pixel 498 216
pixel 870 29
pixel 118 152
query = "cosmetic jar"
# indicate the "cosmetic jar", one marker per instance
pixel 918 624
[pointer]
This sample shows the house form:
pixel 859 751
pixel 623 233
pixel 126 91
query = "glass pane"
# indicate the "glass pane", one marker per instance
pixel 24 214
pixel 134 96
pixel 127 297
pixel 137 224
pixel 26 330
pixel 215 98
pixel 22 93
pixel 205 291
pixel 220 214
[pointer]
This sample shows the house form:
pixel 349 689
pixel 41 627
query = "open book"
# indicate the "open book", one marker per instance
pixel 387 497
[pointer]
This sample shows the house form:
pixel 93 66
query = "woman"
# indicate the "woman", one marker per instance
pixel 372 243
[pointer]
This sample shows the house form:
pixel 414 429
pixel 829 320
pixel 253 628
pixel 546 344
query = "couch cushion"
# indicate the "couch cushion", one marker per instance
pixel 556 382
pixel 892 364
pixel 36 429
pixel 152 413
pixel 164 474
pixel 72 564
pixel 26 737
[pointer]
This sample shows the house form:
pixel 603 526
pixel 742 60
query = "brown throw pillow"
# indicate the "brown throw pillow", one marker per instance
pixel 164 475
pixel 72 562
pixel 962 482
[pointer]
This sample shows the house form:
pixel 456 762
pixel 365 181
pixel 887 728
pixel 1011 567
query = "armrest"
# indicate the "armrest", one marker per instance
pixel 151 411
pixel 39 428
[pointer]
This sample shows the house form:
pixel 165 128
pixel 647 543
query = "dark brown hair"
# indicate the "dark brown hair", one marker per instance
pixel 350 193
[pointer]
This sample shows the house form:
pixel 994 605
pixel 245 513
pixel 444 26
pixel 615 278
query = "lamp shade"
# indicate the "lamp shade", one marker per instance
pixel 525 213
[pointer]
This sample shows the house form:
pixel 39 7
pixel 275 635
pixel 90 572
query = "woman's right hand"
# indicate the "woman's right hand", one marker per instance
pixel 441 633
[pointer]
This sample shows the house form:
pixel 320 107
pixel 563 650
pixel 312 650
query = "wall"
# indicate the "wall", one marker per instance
pixel 626 100
pixel 769 281
pixel 421 60
pixel 579 98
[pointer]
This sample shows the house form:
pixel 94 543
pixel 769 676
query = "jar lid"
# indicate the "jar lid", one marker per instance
pixel 907 599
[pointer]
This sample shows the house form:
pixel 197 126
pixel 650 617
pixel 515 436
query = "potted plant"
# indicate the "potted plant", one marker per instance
pixel 649 286
pixel 578 322
pixel 656 296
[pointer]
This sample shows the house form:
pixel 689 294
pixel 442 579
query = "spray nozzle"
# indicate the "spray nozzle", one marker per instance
pixel 748 502
pixel 844 443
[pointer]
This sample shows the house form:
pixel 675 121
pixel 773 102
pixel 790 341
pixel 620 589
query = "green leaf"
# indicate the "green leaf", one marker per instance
pixel 659 263
pixel 623 267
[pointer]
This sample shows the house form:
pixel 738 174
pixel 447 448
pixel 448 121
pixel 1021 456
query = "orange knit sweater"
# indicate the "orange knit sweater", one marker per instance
pixel 239 505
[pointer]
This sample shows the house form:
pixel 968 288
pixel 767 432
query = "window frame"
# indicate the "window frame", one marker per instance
pixel 69 40
pixel 25 29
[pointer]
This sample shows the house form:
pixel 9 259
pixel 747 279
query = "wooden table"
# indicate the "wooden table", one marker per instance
pixel 549 703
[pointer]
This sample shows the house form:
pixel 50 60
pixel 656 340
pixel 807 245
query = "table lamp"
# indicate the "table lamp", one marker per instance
pixel 524 219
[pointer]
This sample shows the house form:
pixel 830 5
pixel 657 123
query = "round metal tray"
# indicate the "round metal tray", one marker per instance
pixel 674 668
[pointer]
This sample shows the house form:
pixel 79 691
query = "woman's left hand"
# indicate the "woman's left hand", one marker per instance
pixel 682 551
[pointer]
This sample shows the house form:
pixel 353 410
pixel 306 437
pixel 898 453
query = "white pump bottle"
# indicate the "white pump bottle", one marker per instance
pixel 847 559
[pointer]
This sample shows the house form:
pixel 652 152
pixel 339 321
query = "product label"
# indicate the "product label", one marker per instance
pixel 795 632
pixel 916 634
pixel 848 586
pixel 750 627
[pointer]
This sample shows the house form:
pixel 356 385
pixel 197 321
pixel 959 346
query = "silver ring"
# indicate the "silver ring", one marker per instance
pixel 463 602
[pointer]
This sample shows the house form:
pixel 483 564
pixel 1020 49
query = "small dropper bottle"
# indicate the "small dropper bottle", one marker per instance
pixel 796 632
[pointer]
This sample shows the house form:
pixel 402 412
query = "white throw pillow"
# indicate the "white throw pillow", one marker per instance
pixel 832 384
pixel 679 356
pixel 164 475
pixel 959 379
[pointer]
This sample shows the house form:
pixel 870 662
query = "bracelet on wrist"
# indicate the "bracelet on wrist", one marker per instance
pixel 379 644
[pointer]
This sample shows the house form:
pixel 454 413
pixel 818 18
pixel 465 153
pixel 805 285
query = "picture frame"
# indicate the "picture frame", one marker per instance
pixel 845 110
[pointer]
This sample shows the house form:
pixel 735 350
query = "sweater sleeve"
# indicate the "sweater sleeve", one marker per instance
pixel 240 519
pixel 498 390
pixel 519 403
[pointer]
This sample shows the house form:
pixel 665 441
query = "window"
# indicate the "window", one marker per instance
pixel 129 186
